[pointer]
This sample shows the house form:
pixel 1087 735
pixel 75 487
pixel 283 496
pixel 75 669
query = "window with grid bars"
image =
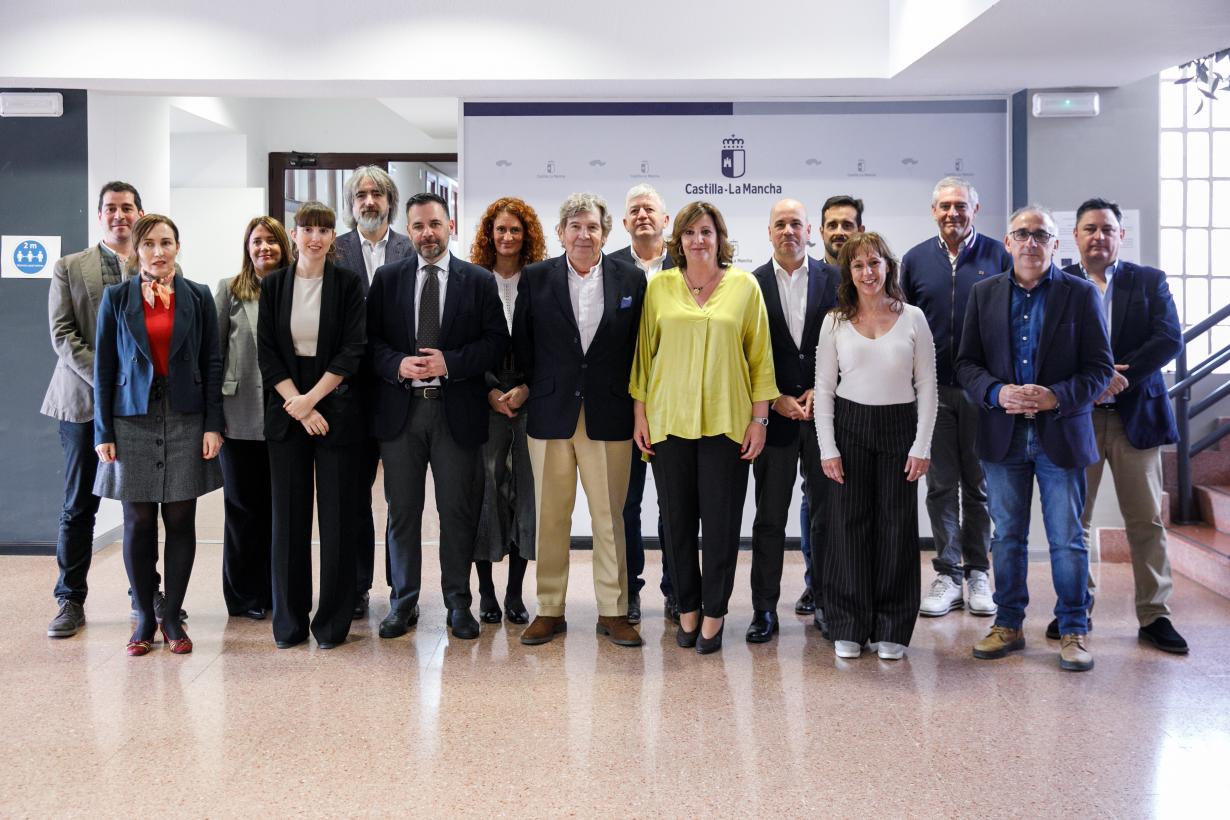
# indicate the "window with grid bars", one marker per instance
pixel 1194 207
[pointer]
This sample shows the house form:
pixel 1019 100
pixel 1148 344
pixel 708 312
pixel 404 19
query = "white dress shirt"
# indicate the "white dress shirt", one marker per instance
pixel 961 247
pixel 373 253
pixel 508 295
pixel 420 279
pixel 651 267
pixel 792 288
pixel 587 300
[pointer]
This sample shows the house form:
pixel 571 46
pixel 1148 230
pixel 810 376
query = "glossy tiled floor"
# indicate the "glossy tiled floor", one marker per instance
pixel 430 726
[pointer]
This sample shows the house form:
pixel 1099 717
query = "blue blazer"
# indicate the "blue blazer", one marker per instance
pixel 1073 360
pixel 562 377
pixel 124 368
pixel 473 338
pixel 795 366
pixel 1145 334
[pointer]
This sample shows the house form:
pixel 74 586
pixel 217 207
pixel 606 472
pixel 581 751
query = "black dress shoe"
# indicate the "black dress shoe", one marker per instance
pixel 256 613
pixel 1052 629
pixel 670 608
pixel 160 603
pixel 707 646
pixel 515 611
pixel 361 603
pixel 1162 634
pixel 462 623
pixel 634 608
pixel 820 623
pixel 764 624
pixel 489 610
pixel 329 644
pixel 806 604
pixel 290 643
pixel 397 623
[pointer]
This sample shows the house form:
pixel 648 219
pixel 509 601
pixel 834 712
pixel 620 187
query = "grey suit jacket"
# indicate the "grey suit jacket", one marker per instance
pixel 350 253
pixel 72 312
pixel 243 399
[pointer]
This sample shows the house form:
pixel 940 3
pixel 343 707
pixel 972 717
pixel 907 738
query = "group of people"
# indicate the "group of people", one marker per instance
pixel 974 362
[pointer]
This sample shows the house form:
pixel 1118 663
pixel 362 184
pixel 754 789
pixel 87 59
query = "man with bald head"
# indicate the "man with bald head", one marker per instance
pixel 798 292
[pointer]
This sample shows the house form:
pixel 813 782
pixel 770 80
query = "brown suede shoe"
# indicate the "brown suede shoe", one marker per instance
pixel 618 630
pixel 999 643
pixel 543 629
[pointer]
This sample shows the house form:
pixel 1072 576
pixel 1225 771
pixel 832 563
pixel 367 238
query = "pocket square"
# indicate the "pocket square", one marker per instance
pixel 625 302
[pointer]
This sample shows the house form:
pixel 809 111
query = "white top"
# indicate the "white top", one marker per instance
pixel 508 295
pixel 792 288
pixel 305 314
pixel 961 246
pixel 587 300
pixel 897 368
pixel 420 279
pixel 373 253
pixel 651 267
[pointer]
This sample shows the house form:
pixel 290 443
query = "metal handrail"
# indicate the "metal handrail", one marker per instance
pixel 1185 411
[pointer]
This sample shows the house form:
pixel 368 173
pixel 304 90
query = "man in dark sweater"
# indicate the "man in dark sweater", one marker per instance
pixel 937 275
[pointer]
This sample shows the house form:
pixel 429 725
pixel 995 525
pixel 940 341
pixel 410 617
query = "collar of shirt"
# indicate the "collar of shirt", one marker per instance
pixel 781 271
pixel 649 266
pixel 966 243
pixel 380 243
pixel 442 263
pixel 1111 270
pixel 597 268
pixel 1045 280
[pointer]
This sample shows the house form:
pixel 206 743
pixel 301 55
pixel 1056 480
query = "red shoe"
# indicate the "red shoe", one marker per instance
pixel 178 646
pixel 136 649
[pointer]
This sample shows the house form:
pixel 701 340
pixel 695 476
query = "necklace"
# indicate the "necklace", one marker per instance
pixel 697 290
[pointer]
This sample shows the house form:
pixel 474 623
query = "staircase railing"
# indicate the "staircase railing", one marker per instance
pixel 1186 410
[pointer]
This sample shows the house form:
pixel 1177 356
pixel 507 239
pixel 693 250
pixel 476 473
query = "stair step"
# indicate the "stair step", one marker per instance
pixel 1113 545
pixel 1201 553
pixel 1223 446
pixel 1210 468
pixel 1214 504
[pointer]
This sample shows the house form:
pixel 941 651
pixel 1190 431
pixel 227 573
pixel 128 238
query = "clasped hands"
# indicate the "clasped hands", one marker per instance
pixel 303 410
pixel 508 403
pixel 1118 383
pixel 799 409
pixel 1018 399
pixel 430 365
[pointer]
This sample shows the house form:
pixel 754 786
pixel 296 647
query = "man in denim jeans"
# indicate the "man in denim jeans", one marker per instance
pixel 1035 355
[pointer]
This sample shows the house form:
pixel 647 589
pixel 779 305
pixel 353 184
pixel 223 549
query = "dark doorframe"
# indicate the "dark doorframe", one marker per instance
pixel 282 161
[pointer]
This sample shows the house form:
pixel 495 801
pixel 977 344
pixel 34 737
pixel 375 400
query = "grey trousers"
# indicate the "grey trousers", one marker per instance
pixel 957 490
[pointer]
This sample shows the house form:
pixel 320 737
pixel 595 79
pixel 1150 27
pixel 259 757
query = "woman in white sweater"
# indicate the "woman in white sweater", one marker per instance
pixel 875 410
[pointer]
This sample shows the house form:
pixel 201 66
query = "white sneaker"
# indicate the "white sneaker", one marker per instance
pixel 889 651
pixel 847 649
pixel 943 597
pixel 980 600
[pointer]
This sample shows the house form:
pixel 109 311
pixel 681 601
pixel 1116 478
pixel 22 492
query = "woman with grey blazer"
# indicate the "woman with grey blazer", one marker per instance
pixel 246 585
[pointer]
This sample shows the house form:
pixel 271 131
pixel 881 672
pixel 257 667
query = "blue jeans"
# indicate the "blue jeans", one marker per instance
pixel 75 544
pixel 1010 496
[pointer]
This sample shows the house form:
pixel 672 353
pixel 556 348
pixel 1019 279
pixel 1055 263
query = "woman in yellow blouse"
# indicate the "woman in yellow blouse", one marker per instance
pixel 702 381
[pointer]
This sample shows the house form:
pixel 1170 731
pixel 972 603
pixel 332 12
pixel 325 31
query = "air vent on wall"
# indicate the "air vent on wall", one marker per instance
pixel 1066 104
pixel 31 104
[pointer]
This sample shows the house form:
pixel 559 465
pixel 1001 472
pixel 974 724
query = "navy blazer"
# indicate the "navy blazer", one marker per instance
pixel 350 253
pixel 562 377
pixel 124 369
pixel 625 255
pixel 1145 334
pixel 795 366
pixel 339 350
pixel 473 338
pixel 1073 360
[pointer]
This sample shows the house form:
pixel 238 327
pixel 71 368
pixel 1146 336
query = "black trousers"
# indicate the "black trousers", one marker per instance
pixel 291 466
pixel 774 471
pixel 248 526
pixel 458 477
pixel 870 574
pixel 701 483
pixel 75 544
pixel 365 543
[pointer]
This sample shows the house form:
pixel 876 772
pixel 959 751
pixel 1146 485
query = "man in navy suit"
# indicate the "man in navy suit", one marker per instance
pixel 574 332
pixel 798 292
pixel 371 198
pixel 435 327
pixel 1132 418
pixel 645 220
pixel 1034 355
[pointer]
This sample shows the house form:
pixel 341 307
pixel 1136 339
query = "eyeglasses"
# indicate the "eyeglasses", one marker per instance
pixel 1023 236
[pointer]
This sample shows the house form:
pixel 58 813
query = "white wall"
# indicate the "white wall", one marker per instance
pixel 129 139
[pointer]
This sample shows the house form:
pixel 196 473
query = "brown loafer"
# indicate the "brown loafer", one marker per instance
pixel 618 631
pixel 543 629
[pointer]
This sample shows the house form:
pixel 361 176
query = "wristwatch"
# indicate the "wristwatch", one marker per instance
pixel 763 421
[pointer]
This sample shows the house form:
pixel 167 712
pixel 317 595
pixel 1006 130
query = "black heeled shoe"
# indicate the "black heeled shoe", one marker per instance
pixel 706 646
pixel 515 611
pixel 686 639
pixel 489 609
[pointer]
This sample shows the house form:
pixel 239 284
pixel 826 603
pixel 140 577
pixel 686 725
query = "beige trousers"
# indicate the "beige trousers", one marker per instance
pixel 603 467
pixel 1138 485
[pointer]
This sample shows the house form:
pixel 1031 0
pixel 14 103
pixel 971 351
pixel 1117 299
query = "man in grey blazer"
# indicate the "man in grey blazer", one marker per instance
pixel 77 283
pixel 370 198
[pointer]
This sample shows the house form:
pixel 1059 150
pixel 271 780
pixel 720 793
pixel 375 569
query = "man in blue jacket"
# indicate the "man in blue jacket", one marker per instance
pixel 1132 418
pixel 937 275
pixel 1034 355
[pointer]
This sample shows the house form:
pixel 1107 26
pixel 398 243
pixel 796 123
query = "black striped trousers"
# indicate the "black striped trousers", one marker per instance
pixel 870 573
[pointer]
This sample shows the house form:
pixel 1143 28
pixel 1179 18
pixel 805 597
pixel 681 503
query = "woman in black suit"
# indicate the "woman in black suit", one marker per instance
pixel 310 342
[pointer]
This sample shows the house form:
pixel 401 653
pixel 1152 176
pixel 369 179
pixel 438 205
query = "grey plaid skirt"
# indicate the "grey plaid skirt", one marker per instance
pixel 158 456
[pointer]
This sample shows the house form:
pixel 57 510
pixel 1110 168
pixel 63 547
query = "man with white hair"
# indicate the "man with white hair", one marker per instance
pixel 937 275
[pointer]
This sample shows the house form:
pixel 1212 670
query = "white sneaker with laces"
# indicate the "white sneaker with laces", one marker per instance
pixel 943 597
pixel 980 600
pixel 847 649
pixel 889 651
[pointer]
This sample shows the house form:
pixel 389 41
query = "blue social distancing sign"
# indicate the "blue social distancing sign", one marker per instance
pixel 28 257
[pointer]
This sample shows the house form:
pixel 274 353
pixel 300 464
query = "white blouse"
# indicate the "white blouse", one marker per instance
pixel 305 314
pixel 897 368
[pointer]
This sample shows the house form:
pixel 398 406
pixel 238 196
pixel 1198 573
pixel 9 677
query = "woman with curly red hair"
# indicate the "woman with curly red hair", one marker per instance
pixel 509 237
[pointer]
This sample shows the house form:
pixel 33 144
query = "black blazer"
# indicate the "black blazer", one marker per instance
pixel 339 350
pixel 1145 334
pixel 1073 360
pixel 625 255
pixel 795 367
pixel 563 378
pixel 473 338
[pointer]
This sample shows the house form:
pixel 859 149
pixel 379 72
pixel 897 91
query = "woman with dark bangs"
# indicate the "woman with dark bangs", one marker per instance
pixel 310 342
pixel 509 237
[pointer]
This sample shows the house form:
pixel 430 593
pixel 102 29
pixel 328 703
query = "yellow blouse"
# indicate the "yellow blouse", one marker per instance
pixel 699 369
